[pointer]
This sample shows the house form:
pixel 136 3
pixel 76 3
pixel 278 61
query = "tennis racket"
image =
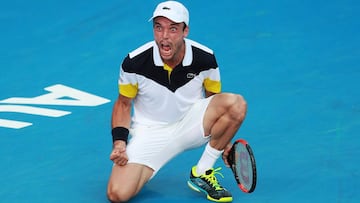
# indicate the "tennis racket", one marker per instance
pixel 242 163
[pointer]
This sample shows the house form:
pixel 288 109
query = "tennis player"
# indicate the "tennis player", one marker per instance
pixel 173 85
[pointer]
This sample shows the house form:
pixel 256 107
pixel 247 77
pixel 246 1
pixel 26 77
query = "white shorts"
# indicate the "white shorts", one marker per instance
pixel 154 146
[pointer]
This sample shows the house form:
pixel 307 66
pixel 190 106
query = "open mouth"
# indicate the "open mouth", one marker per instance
pixel 165 49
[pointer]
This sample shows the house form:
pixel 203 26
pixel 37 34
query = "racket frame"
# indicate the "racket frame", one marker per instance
pixel 231 161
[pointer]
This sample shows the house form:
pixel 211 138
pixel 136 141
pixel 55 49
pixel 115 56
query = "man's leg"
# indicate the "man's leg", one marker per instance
pixel 126 181
pixel 223 117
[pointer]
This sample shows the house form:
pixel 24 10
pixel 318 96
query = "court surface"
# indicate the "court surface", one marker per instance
pixel 296 63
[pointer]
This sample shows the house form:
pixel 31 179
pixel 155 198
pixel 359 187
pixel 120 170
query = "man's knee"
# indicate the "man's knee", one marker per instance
pixel 126 181
pixel 117 194
pixel 237 107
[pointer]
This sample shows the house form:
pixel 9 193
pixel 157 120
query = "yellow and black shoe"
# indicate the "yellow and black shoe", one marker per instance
pixel 209 185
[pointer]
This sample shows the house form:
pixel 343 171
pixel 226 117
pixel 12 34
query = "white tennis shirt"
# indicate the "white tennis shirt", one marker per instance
pixel 163 95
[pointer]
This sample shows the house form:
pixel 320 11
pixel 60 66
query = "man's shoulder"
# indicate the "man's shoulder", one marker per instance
pixel 199 46
pixel 139 58
pixel 142 49
pixel 202 56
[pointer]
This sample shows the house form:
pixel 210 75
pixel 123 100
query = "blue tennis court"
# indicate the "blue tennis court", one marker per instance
pixel 297 63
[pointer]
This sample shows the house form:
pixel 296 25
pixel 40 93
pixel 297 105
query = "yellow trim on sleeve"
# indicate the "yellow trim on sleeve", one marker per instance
pixel 212 85
pixel 128 90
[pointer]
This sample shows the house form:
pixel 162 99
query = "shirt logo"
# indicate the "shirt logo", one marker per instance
pixel 190 75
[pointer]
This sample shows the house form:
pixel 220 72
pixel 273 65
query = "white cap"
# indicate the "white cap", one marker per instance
pixel 172 10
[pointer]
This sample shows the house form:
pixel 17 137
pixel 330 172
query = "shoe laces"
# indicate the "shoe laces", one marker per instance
pixel 211 178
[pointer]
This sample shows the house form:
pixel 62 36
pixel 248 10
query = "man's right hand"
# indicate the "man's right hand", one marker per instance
pixel 118 154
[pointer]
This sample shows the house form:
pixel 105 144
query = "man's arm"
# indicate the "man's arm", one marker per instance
pixel 121 117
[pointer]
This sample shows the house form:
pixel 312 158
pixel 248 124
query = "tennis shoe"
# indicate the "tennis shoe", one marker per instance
pixel 208 184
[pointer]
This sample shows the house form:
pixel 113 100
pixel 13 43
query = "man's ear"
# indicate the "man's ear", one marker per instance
pixel 186 31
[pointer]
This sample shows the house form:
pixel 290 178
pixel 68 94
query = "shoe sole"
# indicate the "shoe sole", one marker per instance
pixel 198 189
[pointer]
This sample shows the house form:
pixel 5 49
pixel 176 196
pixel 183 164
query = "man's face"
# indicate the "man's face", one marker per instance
pixel 169 36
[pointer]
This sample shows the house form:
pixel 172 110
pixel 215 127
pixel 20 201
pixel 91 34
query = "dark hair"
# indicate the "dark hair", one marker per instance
pixel 184 26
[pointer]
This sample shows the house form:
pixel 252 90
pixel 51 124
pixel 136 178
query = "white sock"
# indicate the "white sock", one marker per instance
pixel 208 159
